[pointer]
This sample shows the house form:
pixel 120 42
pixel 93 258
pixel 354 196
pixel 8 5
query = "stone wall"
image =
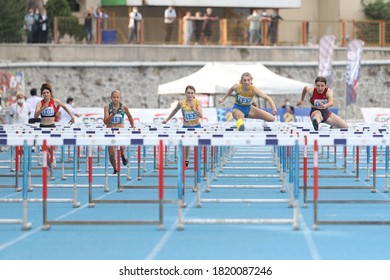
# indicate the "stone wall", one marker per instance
pixel 91 86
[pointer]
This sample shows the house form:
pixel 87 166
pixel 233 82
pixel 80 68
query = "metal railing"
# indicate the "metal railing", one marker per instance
pixel 225 32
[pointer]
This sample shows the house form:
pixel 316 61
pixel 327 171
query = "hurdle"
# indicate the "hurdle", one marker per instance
pixel 91 202
pixel 23 221
pixel 294 220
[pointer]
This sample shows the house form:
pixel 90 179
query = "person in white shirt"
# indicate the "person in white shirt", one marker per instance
pixel 64 116
pixel 33 100
pixel 134 25
pixel 169 19
pixel 20 111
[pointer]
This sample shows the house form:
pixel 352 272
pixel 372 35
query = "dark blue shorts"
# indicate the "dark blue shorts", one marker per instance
pixel 195 126
pixel 244 109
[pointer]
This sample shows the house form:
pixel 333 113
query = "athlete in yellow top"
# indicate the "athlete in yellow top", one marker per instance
pixel 191 110
pixel 243 107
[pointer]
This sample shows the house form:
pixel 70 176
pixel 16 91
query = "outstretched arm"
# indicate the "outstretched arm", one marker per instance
pixel 261 94
pixel 305 90
pixel 174 111
pixel 229 92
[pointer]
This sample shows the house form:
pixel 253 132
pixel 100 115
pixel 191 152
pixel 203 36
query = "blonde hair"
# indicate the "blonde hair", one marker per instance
pixel 246 74
pixel 116 91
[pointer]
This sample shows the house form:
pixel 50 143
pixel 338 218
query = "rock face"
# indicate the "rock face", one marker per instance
pixel 92 86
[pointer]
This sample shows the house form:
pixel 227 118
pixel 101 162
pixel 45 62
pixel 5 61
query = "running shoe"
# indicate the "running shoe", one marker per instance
pixel 187 162
pixel 315 124
pixel 240 125
pixel 115 171
pixel 124 160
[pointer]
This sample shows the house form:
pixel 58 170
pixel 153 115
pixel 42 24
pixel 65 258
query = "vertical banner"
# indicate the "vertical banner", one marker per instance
pixel 354 55
pixel 325 58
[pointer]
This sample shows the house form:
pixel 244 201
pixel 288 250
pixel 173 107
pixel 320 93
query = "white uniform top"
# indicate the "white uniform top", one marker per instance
pixel 33 101
pixel 65 118
pixel 20 114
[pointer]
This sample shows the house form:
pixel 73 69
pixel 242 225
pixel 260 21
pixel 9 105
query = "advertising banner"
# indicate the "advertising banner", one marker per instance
pixel 354 55
pixel 325 58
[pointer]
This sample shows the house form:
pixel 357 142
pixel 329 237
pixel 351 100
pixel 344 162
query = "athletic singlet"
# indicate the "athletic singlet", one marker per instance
pixel 51 110
pixel 119 116
pixel 244 99
pixel 189 116
pixel 318 97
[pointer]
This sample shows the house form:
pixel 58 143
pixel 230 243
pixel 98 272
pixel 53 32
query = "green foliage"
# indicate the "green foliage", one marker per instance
pixel 377 10
pixel 67 23
pixel 70 25
pixel 59 8
pixel 11 22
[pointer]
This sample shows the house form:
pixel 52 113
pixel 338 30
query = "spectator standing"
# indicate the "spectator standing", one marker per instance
pixel 198 27
pixel 88 26
pixel 273 26
pixel 33 100
pixel 43 26
pixel 169 19
pixel 134 25
pixel 207 29
pixel 29 24
pixel 20 111
pixel 65 118
pixel 254 27
pixel 101 17
pixel 187 27
pixel 36 27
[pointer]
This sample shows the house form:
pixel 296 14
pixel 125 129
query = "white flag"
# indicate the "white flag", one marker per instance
pixel 325 58
pixel 354 55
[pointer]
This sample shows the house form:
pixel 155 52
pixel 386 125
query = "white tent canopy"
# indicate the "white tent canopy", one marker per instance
pixel 218 77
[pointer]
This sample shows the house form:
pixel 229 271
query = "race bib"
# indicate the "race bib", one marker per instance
pixel 48 112
pixel 190 116
pixel 243 100
pixel 316 101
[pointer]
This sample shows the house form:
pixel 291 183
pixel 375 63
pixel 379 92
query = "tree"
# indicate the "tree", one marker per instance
pixel 11 22
pixel 377 10
pixel 67 23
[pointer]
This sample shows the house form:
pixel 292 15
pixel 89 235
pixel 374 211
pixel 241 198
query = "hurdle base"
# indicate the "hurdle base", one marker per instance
pixel 27 226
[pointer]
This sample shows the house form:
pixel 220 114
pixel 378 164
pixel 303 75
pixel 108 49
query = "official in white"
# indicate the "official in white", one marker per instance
pixel 20 111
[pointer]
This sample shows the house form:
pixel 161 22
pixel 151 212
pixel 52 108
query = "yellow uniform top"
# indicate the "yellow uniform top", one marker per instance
pixel 244 99
pixel 189 116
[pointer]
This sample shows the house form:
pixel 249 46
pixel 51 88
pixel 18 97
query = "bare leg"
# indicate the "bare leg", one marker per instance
pixel 187 155
pixel 111 152
pixel 336 121
pixel 256 113
pixel 123 155
pixel 239 116
pixel 316 119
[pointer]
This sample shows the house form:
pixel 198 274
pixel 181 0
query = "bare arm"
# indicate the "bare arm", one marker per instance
pixel 198 109
pixel 174 111
pixel 305 90
pixel 66 109
pixel 261 94
pixel 329 96
pixel 107 116
pixel 128 114
pixel 39 109
pixel 229 92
